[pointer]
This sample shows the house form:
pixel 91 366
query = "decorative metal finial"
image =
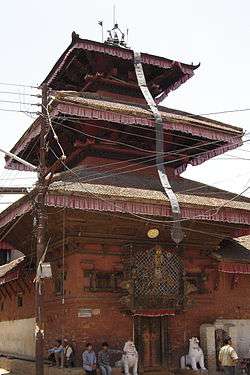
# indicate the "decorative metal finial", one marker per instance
pixel 115 36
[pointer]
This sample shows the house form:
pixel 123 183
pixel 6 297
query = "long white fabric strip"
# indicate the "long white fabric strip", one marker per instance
pixel 178 235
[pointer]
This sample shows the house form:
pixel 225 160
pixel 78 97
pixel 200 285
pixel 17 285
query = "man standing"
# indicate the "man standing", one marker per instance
pixel 89 360
pixel 228 357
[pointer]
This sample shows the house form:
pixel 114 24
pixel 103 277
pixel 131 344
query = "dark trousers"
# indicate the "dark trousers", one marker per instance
pixel 229 370
pixel 93 372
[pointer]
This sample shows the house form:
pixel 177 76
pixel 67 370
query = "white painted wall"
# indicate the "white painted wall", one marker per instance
pixel 18 337
pixel 242 327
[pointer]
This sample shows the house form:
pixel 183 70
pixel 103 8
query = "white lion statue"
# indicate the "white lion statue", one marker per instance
pixel 194 356
pixel 130 358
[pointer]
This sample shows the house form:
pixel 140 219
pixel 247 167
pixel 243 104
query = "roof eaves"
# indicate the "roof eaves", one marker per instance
pixel 126 54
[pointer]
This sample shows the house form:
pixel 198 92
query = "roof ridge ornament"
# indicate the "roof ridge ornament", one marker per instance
pixel 116 37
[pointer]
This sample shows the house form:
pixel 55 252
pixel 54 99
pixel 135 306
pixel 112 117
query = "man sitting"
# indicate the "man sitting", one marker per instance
pixel 56 354
pixel 68 354
pixel 89 360
pixel 104 359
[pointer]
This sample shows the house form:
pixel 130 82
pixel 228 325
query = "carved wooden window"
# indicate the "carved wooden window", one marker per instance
pixel 158 279
pixel 102 281
pixel 59 282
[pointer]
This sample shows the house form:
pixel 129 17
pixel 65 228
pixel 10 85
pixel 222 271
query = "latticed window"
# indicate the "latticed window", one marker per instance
pixel 59 282
pixel 101 281
pixel 158 279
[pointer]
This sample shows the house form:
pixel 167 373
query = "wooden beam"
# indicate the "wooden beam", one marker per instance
pixel 90 79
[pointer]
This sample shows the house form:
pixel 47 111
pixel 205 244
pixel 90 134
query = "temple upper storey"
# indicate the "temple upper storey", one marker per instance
pixel 99 113
pixel 108 70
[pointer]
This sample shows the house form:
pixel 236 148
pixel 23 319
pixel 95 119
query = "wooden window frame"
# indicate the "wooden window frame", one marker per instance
pixel 95 279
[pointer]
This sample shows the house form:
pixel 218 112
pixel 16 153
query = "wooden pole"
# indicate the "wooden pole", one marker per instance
pixel 41 234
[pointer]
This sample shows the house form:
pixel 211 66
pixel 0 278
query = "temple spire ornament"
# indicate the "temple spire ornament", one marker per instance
pixel 116 37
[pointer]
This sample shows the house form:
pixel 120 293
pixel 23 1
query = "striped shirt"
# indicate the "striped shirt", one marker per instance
pixel 227 356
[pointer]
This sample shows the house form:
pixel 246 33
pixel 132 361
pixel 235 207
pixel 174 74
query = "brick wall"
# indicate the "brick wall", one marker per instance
pixel 218 301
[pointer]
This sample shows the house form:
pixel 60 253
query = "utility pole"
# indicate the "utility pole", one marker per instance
pixel 41 221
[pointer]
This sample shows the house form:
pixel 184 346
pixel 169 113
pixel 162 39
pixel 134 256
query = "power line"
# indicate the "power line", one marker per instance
pixel 133 170
pixel 18 85
pixel 20 94
pixel 139 148
pixel 160 221
pixel 19 111
pixel 133 134
pixel 16 102
pixel 141 127
pixel 227 111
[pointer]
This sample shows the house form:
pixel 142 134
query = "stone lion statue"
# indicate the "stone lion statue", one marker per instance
pixel 195 356
pixel 130 358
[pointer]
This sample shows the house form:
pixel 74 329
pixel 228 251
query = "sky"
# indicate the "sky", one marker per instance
pixel 215 33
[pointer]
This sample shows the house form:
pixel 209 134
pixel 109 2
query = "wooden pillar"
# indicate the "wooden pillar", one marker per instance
pixel 139 341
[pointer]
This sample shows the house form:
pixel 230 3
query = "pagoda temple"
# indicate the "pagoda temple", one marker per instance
pixel 117 272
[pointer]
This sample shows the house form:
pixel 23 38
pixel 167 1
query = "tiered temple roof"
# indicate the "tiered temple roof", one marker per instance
pixel 102 120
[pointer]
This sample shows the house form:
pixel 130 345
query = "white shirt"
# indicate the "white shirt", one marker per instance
pixel 227 356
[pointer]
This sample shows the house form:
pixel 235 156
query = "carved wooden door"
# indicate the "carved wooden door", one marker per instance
pixel 150 337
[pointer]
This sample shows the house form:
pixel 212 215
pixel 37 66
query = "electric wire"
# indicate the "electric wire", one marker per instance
pixel 139 126
pixel 18 102
pixel 237 195
pixel 18 111
pixel 18 85
pixel 168 153
pixel 133 134
pixel 54 133
pixel 140 149
pixel 212 211
pixel 117 171
pixel 227 111
pixel 20 93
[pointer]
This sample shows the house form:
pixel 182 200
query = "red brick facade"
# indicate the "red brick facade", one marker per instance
pixel 218 298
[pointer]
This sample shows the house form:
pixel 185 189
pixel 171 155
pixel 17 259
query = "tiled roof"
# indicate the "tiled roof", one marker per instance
pixel 142 110
pixel 232 250
pixel 131 186
pixel 9 266
pixel 244 241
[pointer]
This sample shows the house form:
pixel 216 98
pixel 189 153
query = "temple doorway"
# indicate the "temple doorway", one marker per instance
pixel 151 341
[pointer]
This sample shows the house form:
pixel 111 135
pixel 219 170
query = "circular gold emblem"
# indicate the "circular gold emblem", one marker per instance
pixel 153 233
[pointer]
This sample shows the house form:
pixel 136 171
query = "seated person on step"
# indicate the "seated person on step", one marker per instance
pixel 89 360
pixel 56 354
pixel 104 359
pixel 69 354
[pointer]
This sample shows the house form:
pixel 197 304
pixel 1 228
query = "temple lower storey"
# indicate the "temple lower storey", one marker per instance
pixel 112 283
